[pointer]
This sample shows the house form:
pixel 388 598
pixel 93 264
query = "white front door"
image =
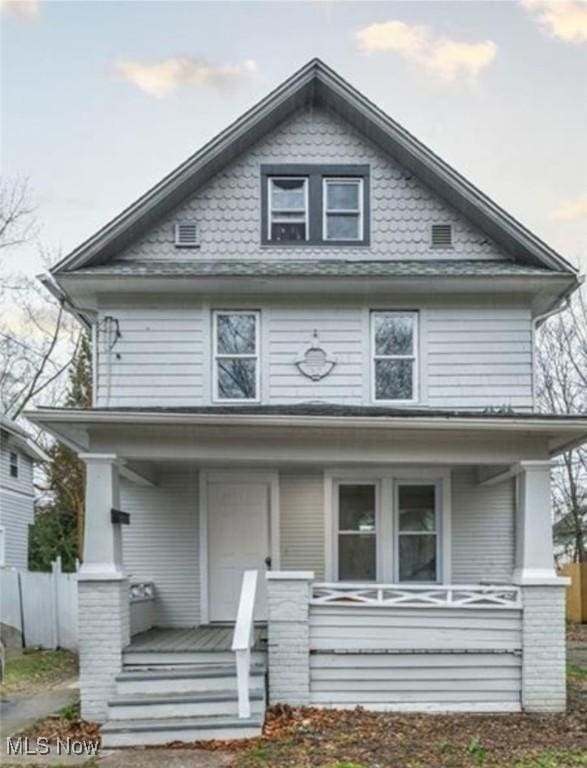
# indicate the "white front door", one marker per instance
pixel 238 539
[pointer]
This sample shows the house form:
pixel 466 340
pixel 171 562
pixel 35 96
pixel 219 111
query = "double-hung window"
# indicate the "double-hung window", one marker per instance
pixel 417 526
pixel 310 205
pixel 343 209
pixel 288 208
pixel 395 344
pixel 236 355
pixel 357 532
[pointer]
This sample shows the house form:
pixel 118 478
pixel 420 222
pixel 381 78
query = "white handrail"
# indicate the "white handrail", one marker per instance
pixel 243 640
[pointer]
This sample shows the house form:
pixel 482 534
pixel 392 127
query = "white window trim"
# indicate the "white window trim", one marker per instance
pixel 343 180
pixel 11 464
pixel 2 546
pixel 438 528
pixel 386 477
pixel 306 219
pixel 376 532
pixel 256 356
pixel 414 356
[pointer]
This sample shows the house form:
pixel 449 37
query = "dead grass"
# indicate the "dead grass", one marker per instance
pixel 33 669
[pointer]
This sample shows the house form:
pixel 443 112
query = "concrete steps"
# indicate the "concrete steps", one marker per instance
pixel 181 703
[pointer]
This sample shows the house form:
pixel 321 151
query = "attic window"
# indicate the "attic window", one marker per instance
pixel 441 236
pixel 186 234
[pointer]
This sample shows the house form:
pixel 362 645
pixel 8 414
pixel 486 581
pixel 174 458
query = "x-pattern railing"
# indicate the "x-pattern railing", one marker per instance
pixel 413 596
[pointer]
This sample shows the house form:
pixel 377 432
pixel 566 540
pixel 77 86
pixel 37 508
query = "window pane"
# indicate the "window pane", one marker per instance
pixel 356 508
pixel 236 378
pixel 394 334
pixel 236 334
pixel 288 194
pixel 286 232
pixel 417 558
pixel 342 227
pixel 417 508
pixel 356 557
pixel 342 197
pixel 394 379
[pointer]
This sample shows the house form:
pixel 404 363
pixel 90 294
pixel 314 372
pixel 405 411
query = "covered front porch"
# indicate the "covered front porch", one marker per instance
pixel 398 562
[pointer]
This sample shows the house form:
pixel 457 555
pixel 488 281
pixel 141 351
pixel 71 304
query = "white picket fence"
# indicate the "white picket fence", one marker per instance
pixel 41 606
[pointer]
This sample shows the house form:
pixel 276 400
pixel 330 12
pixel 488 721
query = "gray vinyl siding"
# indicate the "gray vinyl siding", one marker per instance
pixel 227 210
pixel 470 355
pixel 483 529
pixel 301 500
pixel 478 356
pixel 24 482
pixel 158 359
pixel 472 657
pixel 16 514
pixel 16 504
pixel 341 331
pixel 161 543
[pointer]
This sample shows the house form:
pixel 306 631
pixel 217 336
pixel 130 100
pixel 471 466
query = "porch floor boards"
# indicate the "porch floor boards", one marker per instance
pixel 204 638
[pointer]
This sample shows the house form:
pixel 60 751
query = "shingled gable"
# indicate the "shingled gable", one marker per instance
pixel 315 84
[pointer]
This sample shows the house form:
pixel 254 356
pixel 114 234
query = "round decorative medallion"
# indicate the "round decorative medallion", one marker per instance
pixel 314 361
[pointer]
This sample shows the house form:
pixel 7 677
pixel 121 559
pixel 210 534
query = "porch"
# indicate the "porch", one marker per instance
pixel 400 563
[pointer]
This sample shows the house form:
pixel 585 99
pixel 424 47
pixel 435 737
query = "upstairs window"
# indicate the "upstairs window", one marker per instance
pixel 288 209
pixel 315 205
pixel 236 355
pixel 394 344
pixel 343 204
pixel 13 462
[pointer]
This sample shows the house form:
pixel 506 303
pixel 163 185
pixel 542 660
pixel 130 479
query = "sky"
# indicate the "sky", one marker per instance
pixel 99 100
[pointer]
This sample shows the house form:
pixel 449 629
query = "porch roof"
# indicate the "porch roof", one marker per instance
pixel 559 431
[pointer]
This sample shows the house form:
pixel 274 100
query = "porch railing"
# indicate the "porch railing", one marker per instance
pixel 417 596
pixel 243 641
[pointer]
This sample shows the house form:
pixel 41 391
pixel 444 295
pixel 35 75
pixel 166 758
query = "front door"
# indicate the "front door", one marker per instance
pixel 238 539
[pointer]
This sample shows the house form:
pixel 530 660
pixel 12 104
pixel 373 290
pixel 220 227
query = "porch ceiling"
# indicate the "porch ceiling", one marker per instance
pixel 311 434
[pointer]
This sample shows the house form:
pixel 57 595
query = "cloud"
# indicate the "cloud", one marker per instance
pixel 571 211
pixel 417 44
pixel 565 20
pixel 23 9
pixel 163 77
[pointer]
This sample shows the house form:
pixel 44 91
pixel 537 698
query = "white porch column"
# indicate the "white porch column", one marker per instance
pixel 543 593
pixel 103 615
pixel 288 600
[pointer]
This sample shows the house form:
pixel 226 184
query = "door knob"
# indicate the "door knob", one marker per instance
pixel 268 562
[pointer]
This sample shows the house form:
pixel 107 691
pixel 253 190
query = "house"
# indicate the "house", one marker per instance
pixel 18 455
pixel 313 459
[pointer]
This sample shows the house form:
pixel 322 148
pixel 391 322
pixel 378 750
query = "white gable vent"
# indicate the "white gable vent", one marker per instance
pixel 442 235
pixel 186 234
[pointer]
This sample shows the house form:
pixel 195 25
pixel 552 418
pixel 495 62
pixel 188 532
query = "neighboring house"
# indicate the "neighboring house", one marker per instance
pixel 313 353
pixel 18 455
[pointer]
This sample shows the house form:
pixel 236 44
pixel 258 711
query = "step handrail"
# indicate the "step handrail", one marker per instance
pixel 243 640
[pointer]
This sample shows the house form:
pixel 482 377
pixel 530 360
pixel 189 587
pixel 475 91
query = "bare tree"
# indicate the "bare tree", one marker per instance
pixel 562 388
pixel 36 335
